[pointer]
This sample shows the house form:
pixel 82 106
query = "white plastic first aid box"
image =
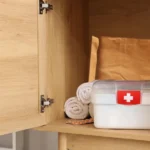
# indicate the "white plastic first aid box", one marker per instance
pixel 121 104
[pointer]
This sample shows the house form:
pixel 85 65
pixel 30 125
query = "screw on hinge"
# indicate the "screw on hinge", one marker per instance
pixel 44 6
pixel 45 103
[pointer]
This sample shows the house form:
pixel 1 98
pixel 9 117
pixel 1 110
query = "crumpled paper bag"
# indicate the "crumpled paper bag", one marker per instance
pixel 123 59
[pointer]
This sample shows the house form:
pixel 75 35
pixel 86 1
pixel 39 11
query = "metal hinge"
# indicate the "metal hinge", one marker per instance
pixel 44 6
pixel 45 103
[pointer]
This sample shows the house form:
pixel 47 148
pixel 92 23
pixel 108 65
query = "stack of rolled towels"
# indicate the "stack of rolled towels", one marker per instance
pixel 80 107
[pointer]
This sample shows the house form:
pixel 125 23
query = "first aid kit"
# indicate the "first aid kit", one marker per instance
pixel 121 104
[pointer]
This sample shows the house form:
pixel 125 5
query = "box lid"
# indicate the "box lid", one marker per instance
pixel 121 92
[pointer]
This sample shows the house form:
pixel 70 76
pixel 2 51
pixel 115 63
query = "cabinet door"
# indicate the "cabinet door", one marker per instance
pixel 19 66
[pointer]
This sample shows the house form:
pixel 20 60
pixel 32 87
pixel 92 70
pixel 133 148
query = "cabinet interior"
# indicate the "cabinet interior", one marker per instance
pixel 70 27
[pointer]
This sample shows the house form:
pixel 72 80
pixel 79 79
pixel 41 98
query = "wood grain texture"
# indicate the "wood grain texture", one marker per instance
pixel 129 18
pixel 67 54
pixel 62 141
pixel 43 42
pixel 19 105
pixel 62 127
pixel 76 142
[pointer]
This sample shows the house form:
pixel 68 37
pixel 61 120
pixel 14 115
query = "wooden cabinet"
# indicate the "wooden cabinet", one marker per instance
pixel 40 54
pixel 48 55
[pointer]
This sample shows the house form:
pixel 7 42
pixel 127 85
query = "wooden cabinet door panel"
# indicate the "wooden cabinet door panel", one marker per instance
pixel 19 85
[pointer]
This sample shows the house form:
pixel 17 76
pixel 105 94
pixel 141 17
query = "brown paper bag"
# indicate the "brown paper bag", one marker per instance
pixel 123 59
pixel 93 58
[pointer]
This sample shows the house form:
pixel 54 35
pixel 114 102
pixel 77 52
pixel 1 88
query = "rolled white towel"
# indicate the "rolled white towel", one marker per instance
pixel 74 109
pixel 84 92
pixel 91 110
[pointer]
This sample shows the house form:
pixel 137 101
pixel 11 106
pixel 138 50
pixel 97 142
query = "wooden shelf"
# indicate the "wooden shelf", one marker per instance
pixel 61 126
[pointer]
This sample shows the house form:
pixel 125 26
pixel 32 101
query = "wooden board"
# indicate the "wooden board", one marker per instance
pixel 19 86
pixel 67 52
pixel 117 18
pixel 43 57
pixel 61 126
pixel 62 141
pixel 76 142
